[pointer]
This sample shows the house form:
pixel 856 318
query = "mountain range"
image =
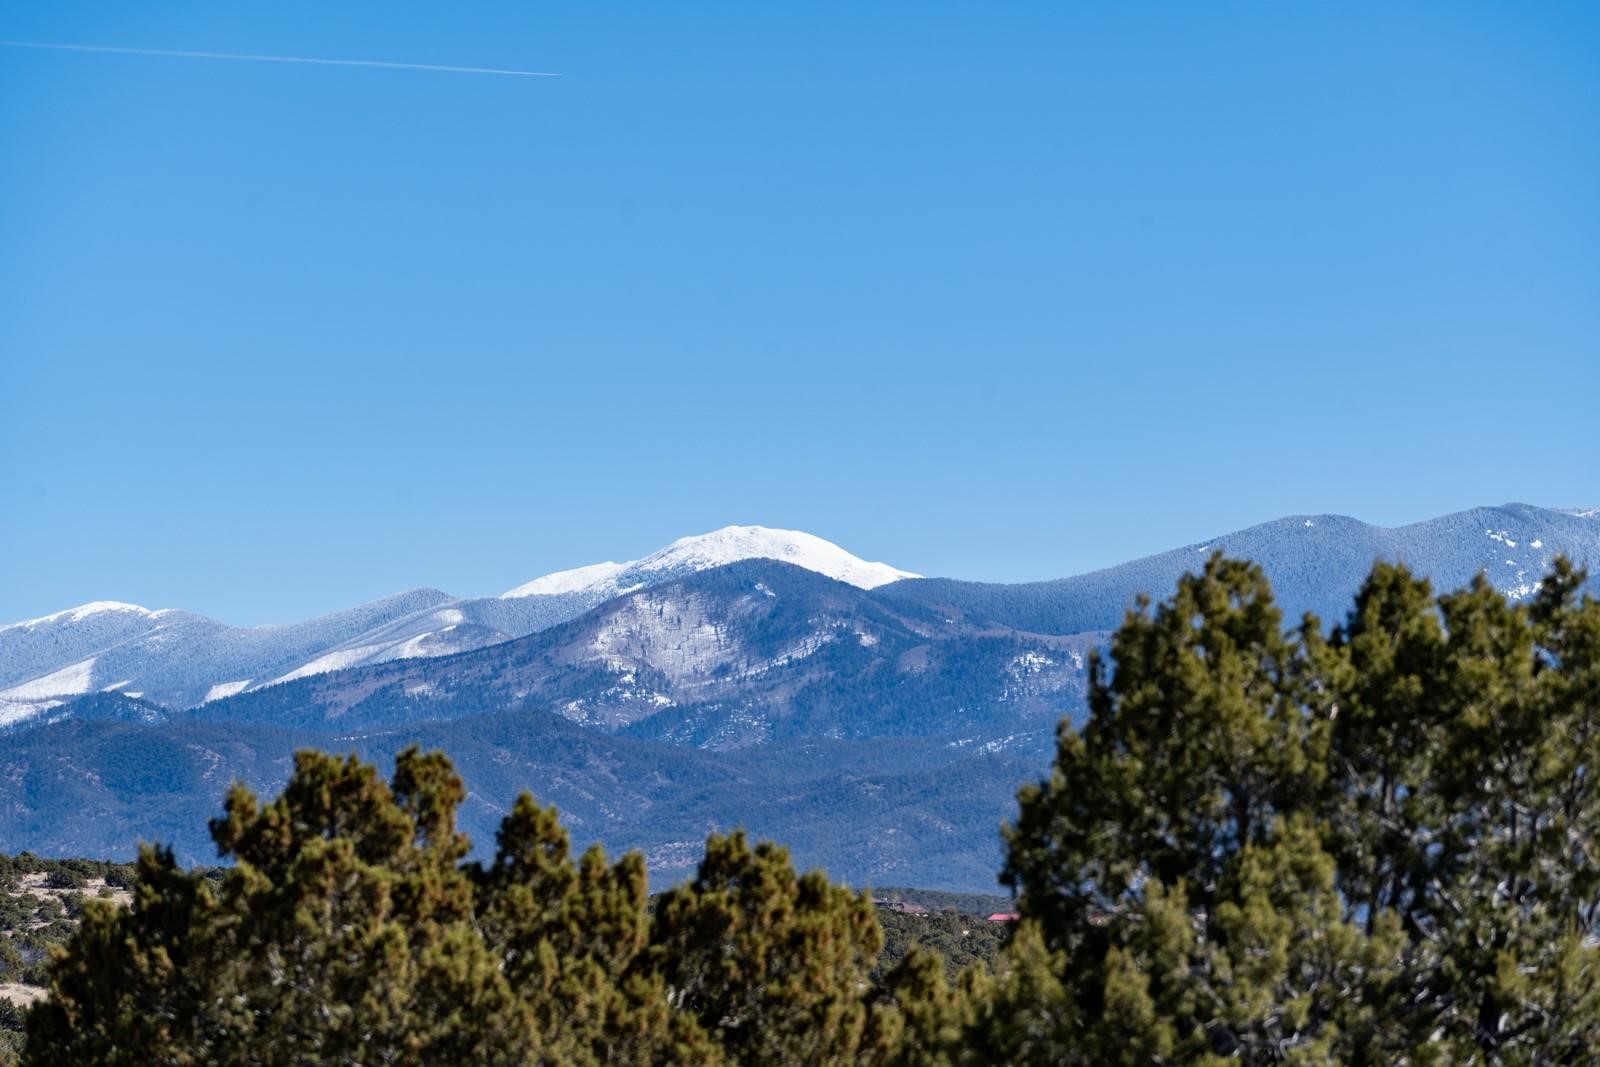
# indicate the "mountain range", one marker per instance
pixel 181 659
pixel 877 722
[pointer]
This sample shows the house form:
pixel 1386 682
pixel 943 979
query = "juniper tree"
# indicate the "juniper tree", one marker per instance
pixel 341 934
pixel 1270 845
pixel 571 941
pixel 773 965
pixel 349 930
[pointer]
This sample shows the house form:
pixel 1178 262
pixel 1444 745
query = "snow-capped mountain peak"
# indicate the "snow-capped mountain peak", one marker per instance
pixel 734 543
pixel 730 544
pixel 85 611
pixel 181 659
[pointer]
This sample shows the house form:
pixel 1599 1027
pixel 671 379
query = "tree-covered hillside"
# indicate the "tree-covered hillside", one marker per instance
pixel 870 812
pixel 744 654
pixel 1315 564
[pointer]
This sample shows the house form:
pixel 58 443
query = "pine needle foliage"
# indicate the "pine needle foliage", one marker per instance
pixel 1371 846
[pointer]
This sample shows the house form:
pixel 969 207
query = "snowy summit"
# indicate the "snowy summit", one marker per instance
pixel 82 612
pixel 730 544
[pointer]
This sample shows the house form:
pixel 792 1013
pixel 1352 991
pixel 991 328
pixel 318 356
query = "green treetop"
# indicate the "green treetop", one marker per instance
pixel 1274 846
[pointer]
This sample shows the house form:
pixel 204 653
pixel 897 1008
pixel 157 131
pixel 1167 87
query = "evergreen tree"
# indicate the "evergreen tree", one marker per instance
pixel 350 931
pixel 918 1019
pixel 570 940
pixel 342 934
pixel 1265 846
pixel 773 965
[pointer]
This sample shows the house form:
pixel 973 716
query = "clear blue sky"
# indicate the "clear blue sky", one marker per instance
pixel 997 291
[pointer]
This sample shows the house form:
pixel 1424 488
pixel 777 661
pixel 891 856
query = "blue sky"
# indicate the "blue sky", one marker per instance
pixel 997 291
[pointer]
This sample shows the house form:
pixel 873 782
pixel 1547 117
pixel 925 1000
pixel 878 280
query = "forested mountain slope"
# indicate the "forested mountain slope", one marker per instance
pixel 744 654
pixel 1315 563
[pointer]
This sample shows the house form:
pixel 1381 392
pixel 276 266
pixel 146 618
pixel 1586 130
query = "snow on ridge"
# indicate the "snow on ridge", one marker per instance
pixel 730 544
pixel 577 580
pixel 84 611
pixel 178 656
pixel 734 543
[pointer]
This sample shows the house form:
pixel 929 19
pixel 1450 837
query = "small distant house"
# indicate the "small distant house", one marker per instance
pixel 1004 917
pixel 904 907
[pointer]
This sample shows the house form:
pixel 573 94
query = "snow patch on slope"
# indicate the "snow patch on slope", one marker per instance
pixel 331 661
pixel 13 712
pixel 83 611
pixel 223 690
pixel 576 580
pixel 74 679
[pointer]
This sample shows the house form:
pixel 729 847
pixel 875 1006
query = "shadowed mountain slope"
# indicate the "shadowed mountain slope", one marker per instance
pixel 1315 562
pixel 870 812
pixel 745 654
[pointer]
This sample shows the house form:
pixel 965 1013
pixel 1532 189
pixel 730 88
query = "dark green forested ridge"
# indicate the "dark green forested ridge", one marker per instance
pixel 960 939
pixel 941 900
pixel 1269 843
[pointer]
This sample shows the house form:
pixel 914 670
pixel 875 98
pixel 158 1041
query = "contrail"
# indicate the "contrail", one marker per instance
pixel 280 59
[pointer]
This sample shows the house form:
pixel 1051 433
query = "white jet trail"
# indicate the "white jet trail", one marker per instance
pixel 280 59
